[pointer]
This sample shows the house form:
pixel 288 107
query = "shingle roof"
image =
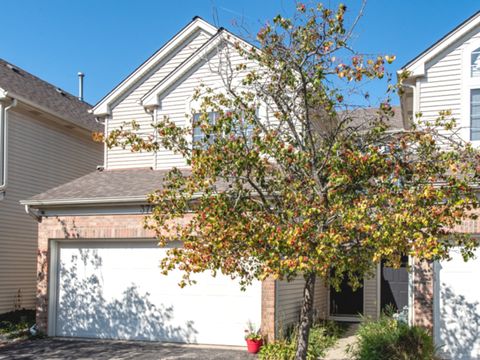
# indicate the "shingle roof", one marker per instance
pixel 360 115
pixel 21 83
pixel 105 184
pixel 133 185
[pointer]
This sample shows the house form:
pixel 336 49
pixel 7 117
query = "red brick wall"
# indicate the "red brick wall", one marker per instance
pixel 268 309
pixel 423 294
pixel 112 227
pixel 423 283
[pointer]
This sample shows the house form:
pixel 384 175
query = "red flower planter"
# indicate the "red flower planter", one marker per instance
pixel 253 346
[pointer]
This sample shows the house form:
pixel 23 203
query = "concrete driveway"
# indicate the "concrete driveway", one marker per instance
pixel 65 349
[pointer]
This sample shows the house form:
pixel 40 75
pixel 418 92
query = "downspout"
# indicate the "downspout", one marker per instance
pixel 411 260
pixel 414 98
pixel 152 111
pixel 4 127
pixel 33 213
pixel 104 123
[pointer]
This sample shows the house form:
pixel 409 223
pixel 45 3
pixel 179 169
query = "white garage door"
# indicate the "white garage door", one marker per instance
pixel 457 307
pixel 116 291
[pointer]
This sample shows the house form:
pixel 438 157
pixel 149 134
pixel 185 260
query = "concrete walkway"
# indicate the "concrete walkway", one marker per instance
pixel 339 351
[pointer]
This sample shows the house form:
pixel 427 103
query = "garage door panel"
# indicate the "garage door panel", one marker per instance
pixel 118 291
pixel 457 327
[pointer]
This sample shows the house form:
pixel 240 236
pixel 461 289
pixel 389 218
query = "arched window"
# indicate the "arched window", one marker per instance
pixel 475 63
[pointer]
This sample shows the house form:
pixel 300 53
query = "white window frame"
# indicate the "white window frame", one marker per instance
pixel 468 83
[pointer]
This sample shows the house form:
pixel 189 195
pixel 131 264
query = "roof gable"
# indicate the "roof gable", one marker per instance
pixel 416 66
pixel 103 106
pixel 150 99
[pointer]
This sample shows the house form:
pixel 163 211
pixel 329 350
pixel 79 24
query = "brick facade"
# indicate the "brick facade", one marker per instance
pixel 423 282
pixel 423 294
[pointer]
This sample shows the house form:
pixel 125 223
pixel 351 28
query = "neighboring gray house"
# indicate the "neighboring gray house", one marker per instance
pixel 45 140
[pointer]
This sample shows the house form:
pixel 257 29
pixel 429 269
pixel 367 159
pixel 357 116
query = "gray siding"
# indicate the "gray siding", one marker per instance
pixel 41 155
pixel 289 302
pixel 370 296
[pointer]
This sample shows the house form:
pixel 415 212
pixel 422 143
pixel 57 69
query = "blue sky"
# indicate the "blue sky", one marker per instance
pixel 107 39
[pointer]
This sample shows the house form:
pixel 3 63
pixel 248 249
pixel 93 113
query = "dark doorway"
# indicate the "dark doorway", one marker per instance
pixel 346 302
pixel 394 286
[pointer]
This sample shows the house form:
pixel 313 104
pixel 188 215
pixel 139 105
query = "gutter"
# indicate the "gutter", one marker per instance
pixel 4 132
pixel 133 200
pixel 85 201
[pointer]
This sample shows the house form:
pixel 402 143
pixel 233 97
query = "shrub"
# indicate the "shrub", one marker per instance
pixel 389 339
pixel 322 336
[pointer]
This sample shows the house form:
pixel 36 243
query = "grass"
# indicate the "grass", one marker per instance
pixel 15 324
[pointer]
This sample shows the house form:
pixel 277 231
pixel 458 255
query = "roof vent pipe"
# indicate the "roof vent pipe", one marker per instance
pixel 80 85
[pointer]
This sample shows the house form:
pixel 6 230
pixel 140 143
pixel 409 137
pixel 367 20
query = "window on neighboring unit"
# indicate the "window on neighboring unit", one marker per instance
pixel 475 114
pixel 475 63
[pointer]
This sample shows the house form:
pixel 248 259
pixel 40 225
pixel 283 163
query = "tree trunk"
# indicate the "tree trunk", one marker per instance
pixel 306 317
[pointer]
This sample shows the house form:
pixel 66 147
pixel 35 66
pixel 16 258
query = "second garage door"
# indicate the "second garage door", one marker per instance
pixel 457 307
pixel 116 291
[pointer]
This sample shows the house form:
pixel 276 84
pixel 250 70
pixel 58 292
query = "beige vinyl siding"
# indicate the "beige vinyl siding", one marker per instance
pixel 321 299
pixel 41 155
pixel 127 107
pixel 176 102
pixel 441 87
pixel 444 85
pixel 289 302
pixel 290 298
pixel 370 296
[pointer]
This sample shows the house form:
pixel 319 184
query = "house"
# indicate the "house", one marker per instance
pixel 98 266
pixel 44 141
pixel 445 296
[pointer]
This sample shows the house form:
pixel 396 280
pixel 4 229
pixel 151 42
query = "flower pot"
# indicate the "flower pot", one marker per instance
pixel 253 346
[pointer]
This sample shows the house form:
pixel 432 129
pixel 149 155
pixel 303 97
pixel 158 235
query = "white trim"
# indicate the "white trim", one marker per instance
pixel 95 211
pixel 79 201
pixel 379 289
pixel 411 289
pixel 467 84
pixel 151 98
pixel 417 66
pixel 436 302
pixel 52 287
pixel 103 107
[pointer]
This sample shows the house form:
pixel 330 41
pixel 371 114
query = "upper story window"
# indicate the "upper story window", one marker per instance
pixel 199 137
pixel 475 114
pixel 475 63
pixel 198 134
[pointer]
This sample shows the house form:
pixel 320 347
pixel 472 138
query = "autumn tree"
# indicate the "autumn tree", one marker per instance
pixel 318 188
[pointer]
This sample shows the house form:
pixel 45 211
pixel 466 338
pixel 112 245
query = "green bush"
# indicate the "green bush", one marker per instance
pixel 15 324
pixel 388 339
pixel 322 336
